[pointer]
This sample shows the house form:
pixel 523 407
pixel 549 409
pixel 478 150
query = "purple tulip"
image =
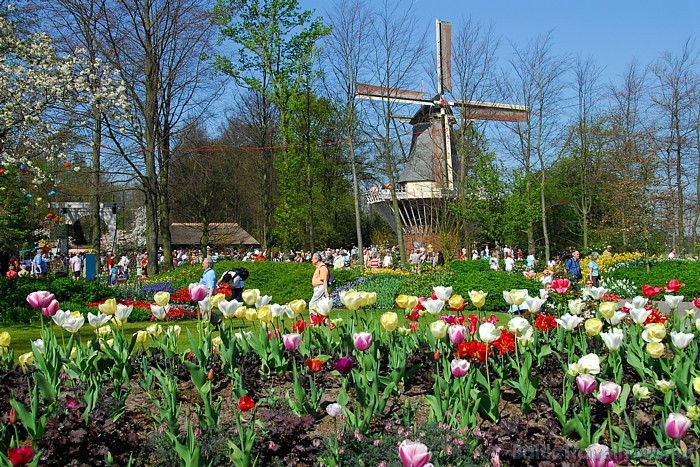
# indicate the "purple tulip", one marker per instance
pixel 40 299
pixel 51 309
pixel 198 292
pixel 291 341
pixel 457 333
pixel 677 425
pixel 414 454
pixel 362 340
pixel 608 392
pixel 344 365
pixel 586 383
pixel 459 367
pixel 598 455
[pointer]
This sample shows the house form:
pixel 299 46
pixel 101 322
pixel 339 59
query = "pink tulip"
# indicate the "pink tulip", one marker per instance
pixel 459 367
pixel 50 309
pixel 608 392
pixel 40 299
pixel 198 292
pixel 677 425
pixel 414 454
pixel 586 383
pixel 457 333
pixel 598 455
pixel 291 341
pixel 362 340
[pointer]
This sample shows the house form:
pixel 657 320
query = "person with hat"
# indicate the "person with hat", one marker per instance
pixel 608 251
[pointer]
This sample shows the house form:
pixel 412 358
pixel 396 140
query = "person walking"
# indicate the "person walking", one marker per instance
pixel 319 281
pixel 573 267
pixel 593 270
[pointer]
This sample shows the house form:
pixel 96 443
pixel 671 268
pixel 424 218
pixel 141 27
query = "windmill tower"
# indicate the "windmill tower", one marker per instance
pixel 430 174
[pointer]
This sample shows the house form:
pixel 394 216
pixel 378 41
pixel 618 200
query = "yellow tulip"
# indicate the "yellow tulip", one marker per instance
pixel 654 332
pixel 297 306
pixel 456 302
pixel 479 298
pixel 696 385
pixel 4 339
pixel 364 299
pixel 608 309
pixel 26 359
pixel 694 413
pixel 251 314
pixel 390 321
pixel 517 296
pixel 250 296
pixel 216 299
pixel 109 307
pixel 656 349
pixel 174 330
pixel 412 302
pixel 154 330
pixel 352 300
pixel 103 330
pixel 402 301
pixel 216 341
pixel 265 314
pixel 593 326
pixel 141 337
pixel 161 298
pixel 438 329
pixel 371 298
pixel 240 312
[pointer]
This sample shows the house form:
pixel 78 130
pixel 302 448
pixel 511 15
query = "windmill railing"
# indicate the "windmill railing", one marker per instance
pixel 379 195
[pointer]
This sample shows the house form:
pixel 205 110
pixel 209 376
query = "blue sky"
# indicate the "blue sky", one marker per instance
pixel 613 32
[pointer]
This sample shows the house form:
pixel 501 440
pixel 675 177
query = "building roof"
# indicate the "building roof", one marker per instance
pixel 220 234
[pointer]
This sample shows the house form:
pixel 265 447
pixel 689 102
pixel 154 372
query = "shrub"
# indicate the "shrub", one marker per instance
pixel 464 276
pixel 13 295
pixel 661 271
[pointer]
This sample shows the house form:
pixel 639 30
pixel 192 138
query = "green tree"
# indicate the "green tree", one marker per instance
pixel 273 41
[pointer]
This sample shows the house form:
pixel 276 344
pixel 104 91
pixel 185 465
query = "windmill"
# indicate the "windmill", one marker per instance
pixel 431 171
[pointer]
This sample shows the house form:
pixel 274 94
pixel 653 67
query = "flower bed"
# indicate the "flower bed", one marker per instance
pixel 437 381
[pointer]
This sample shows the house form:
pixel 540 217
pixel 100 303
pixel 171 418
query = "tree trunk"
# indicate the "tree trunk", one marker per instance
pixel 150 139
pixel 356 194
pixel 95 201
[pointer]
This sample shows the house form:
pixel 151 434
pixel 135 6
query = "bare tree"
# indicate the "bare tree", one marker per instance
pixel 399 45
pixel 348 49
pixel 673 100
pixel 160 48
pixel 537 83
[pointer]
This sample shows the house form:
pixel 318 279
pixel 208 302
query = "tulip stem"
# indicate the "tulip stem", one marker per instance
pixel 610 428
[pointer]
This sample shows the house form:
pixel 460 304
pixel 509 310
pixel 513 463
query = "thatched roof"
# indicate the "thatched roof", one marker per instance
pixel 223 234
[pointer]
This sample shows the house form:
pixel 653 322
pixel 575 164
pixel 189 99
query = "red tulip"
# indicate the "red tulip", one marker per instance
pixel 13 416
pixel 696 303
pixel 246 403
pixel 650 291
pixel 673 286
pixel 314 364
pixel 561 285
pixel 20 456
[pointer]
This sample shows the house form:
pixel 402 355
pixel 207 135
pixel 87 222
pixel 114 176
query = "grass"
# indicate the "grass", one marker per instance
pixel 22 335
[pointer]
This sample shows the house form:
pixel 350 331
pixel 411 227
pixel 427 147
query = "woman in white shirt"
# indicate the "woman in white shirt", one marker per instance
pixel 509 263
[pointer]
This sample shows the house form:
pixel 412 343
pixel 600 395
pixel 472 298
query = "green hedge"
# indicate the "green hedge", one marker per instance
pixel 13 295
pixel 661 271
pixel 464 276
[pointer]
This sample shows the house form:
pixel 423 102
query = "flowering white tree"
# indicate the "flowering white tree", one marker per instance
pixel 38 90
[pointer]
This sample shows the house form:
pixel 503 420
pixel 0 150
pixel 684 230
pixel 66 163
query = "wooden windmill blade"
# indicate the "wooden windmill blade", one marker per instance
pixel 475 110
pixel 370 91
pixel 443 33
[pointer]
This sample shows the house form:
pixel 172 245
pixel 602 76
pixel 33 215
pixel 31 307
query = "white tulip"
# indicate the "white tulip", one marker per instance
pixel 519 325
pixel 262 301
pixel 534 304
pixel 160 312
pixel 443 293
pixel 60 317
pixel 597 292
pixel 488 333
pixel 639 315
pixel 324 306
pixel 673 301
pixel 617 318
pixel 39 344
pixel 681 339
pixel 569 322
pixel 99 320
pixel 277 310
pixel 613 339
pixel 577 306
pixel 433 306
pixel 590 364
pixel 228 308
